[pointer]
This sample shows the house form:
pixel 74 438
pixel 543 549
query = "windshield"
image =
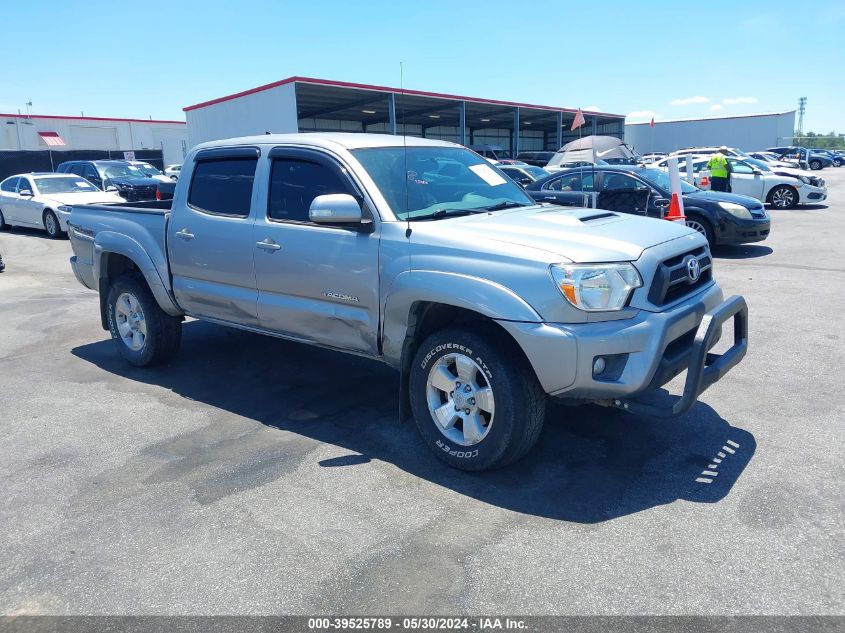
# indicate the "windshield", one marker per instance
pixel 64 185
pixel 762 166
pixel 124 171
pixel 430 182
pixel 147 169
pixel 537 172
pixel 660 179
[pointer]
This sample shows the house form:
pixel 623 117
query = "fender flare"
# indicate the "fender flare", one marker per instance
pixel 109 243
pixel 483 296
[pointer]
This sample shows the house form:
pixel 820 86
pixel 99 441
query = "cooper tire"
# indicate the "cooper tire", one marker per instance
pixel 145 335
pixel 783 197
pixel 489 360
pixel 51 225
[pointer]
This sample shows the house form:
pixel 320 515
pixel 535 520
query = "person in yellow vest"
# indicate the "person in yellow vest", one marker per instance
pixel 720 176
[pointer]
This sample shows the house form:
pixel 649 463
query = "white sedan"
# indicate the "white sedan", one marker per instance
pixel 173 171
pixel 756 179
pixel 42 200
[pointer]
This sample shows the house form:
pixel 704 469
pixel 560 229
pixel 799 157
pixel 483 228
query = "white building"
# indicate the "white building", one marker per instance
pixel 749 132
pixel 305 104
pixel 66 133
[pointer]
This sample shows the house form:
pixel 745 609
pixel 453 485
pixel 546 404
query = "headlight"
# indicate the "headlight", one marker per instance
pixel 596 287
pixel 736 210
pixel 805 180
pixel 64 208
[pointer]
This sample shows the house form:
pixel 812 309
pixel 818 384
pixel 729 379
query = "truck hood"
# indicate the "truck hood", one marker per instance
pixel 579 235
pixel 124 181
pixel 82 197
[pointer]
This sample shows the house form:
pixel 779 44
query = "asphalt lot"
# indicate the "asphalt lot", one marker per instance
pixel 256 476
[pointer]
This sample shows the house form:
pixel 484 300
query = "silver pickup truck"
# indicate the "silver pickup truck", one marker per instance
pixel 423 255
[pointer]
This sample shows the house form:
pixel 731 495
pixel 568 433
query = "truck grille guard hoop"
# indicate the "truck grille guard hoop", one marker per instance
pixel 704 368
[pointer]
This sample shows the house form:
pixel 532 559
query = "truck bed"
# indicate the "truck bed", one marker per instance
pixel 136 229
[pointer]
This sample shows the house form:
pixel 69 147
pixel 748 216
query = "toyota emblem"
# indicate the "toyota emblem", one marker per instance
pixel 693 269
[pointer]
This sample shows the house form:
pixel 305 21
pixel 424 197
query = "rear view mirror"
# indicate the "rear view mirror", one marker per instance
pixel 335 208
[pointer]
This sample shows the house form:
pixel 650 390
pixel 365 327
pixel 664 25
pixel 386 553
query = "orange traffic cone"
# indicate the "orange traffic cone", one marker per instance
pixel 674 214
pixel 704 182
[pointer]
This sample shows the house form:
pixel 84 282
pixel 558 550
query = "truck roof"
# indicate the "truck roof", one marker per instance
pixel 345 140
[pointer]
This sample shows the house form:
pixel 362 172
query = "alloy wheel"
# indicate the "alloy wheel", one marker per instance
pixel 130 321
pixel 460 399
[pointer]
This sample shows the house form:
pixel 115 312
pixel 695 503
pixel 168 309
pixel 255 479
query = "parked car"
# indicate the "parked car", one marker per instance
pixel 113 175
pixel 708 151
pixel 40 200
pixel 492 153
pixel 485 302
pixel 172 171
pixel 523 174
pixel 651 157
pixel 150 171
pixel 836 158
pixel 536 158
pixel 750 179
pixel 723 218
pixel 814 160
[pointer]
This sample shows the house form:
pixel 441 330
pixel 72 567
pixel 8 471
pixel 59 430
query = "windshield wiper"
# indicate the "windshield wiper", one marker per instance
pixel 450 213
pixel 506 205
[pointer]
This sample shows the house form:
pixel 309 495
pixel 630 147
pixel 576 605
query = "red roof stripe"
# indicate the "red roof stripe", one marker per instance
pixel 87 118
pixel 347 84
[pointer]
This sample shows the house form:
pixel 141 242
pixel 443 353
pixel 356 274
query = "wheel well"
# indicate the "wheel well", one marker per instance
pixel 112 266
pixel 426 318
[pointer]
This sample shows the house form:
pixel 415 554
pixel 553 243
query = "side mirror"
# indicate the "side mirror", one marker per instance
pixel 26 193
pixel 111 188
pixel 335 208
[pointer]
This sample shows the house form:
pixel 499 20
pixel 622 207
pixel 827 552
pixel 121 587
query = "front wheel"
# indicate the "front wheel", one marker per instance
pixel 783 197
pixel 697 223
pixel 51 225
pixel 475 399
pixel 815 165
pixel 145 334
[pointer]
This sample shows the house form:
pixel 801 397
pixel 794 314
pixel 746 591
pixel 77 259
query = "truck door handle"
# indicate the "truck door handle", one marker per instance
pixel 268 245
pixel 185 235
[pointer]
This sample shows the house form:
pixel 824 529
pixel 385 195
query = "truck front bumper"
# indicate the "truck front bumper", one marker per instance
pixel 640 354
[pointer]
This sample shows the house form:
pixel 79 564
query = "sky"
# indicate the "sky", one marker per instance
pixel 669 60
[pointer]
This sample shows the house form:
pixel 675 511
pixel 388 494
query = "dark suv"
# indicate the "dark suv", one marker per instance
pixel 114 175
pixel 539 159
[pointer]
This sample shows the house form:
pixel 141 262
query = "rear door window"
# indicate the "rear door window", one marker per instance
pixel 573 182
pixel 10 185
pixel 223 186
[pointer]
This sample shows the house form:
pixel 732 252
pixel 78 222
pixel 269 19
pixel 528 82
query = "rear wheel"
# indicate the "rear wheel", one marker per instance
pixel 698 223
pixel 51 225
pixel 783 197
pixel 475 399
pixel 145 334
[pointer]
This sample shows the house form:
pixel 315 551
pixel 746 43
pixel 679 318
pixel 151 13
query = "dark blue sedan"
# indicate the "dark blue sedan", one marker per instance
pixel 723 218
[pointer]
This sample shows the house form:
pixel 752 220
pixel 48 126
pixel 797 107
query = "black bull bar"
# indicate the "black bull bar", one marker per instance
pixel 704 368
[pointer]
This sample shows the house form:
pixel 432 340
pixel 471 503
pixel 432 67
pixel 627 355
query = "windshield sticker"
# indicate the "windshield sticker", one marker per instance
pixel 486 173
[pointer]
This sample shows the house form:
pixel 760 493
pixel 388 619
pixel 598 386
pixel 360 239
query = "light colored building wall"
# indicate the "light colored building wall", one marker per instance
pixel 272 110
pixel 79 133
pixel 748 133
